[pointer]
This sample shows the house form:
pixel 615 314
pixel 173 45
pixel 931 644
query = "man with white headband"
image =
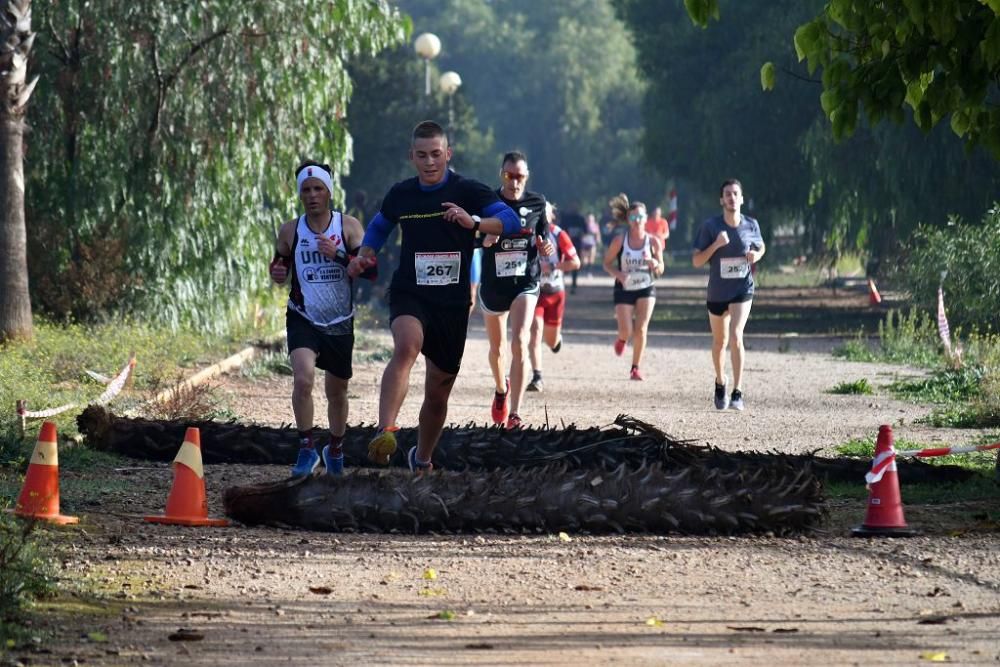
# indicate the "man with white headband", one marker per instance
pixel 315 249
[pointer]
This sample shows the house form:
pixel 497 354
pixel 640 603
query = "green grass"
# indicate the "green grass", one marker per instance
pixel 49 371
pixel 945 385
pixel 858 387
pixel 966 392
pixel 903 338
pixel 271 363
pixel 981 487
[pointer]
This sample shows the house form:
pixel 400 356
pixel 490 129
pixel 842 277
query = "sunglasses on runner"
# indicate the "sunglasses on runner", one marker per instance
pixel 511 176
pixel 636 217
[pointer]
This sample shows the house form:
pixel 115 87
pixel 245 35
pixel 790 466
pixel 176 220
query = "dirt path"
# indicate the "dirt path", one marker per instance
pixel 635 600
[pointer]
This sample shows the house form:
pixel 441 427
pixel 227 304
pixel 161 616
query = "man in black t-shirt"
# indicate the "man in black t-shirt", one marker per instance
pixel 509 287
pixel 439 213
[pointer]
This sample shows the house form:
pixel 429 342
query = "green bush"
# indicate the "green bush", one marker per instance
pixel 970 253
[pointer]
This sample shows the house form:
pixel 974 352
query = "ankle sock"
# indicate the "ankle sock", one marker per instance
pixel 306 440
pixel 336 445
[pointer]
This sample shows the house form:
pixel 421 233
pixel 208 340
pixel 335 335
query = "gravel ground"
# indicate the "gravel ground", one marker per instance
pixel 267 596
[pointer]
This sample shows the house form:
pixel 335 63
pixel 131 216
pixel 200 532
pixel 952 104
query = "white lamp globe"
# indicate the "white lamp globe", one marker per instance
pixel 427 45
pixel 449 82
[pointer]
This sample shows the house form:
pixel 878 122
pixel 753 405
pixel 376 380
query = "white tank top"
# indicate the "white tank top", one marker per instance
pixel 635 265
pixel 552 278
pixel 321 290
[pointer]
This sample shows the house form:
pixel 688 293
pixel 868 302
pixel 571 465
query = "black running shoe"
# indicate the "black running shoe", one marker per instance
pixel 721 400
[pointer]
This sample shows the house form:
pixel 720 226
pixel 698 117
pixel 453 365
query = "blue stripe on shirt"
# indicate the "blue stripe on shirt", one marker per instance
pixel 377 232
pixel 511 221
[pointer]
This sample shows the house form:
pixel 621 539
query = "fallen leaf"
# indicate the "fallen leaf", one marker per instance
pixel 430 573
pixel 563 537
pixel 186 635
pixel 320 590
pixel 745 628
pixel 934 656
pixel 97 636
pixel 446 615
pixel 654 622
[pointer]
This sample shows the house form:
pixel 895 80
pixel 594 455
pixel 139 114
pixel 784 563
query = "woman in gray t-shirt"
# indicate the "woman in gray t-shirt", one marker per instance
pixel 730 243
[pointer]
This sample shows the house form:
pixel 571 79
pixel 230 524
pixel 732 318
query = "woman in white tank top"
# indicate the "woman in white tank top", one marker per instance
pixel 634 259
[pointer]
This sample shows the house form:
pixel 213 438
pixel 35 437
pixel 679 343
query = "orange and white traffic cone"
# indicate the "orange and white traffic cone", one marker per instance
pixel 39 497
pixel 884 516
pixel 187 504
pixel 874 298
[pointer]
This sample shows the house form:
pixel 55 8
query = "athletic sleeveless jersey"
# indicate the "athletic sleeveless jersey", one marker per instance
pixel 552 278
pixel 511 264
pixel 435 255
pixel 321 290
pixel 635 265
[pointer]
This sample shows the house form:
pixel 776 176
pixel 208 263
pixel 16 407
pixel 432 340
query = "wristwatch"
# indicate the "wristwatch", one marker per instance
pixel 476 220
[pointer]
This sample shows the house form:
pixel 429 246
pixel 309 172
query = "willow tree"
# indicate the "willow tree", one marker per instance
pixel 169 141
pixel 16 39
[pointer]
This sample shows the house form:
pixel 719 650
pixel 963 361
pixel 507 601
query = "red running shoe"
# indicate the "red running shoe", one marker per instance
pixel 514 422
pixel 635 375
pixel 501 405
pixel 619 347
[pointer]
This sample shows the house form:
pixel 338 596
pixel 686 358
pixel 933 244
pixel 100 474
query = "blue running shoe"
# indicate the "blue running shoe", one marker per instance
pixel 306 463
pixel 334 464
pixel 416 466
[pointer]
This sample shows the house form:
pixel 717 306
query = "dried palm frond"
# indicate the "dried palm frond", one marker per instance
pixel 777 498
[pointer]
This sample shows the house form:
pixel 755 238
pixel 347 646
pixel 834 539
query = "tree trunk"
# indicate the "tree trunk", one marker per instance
pixel 15 303
pixel 15 45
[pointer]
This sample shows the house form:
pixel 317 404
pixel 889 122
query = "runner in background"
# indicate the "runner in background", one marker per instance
pixel 634 259
pixel 548 317
pixel 510 287
pixel 730 243
pixel 590 241
pixel 658 227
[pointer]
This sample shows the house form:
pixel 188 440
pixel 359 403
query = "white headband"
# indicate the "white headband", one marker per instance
pixel 317 172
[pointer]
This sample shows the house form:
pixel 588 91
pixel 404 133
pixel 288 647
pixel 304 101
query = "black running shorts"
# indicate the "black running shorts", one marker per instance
pixel 495 302
pixel 333 352
pixel 720 308
pixel 629 297
pixel 445 328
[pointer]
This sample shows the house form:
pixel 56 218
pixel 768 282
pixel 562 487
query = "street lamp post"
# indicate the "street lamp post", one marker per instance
pixel 449 82
pixel 428 46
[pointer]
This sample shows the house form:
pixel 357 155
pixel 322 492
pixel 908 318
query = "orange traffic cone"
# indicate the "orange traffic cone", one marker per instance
pixel 874 298
pixel 39 497
pixel 884 516
pixel 186 504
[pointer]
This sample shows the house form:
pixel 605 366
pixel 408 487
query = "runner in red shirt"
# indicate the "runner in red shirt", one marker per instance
pixel 552 300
